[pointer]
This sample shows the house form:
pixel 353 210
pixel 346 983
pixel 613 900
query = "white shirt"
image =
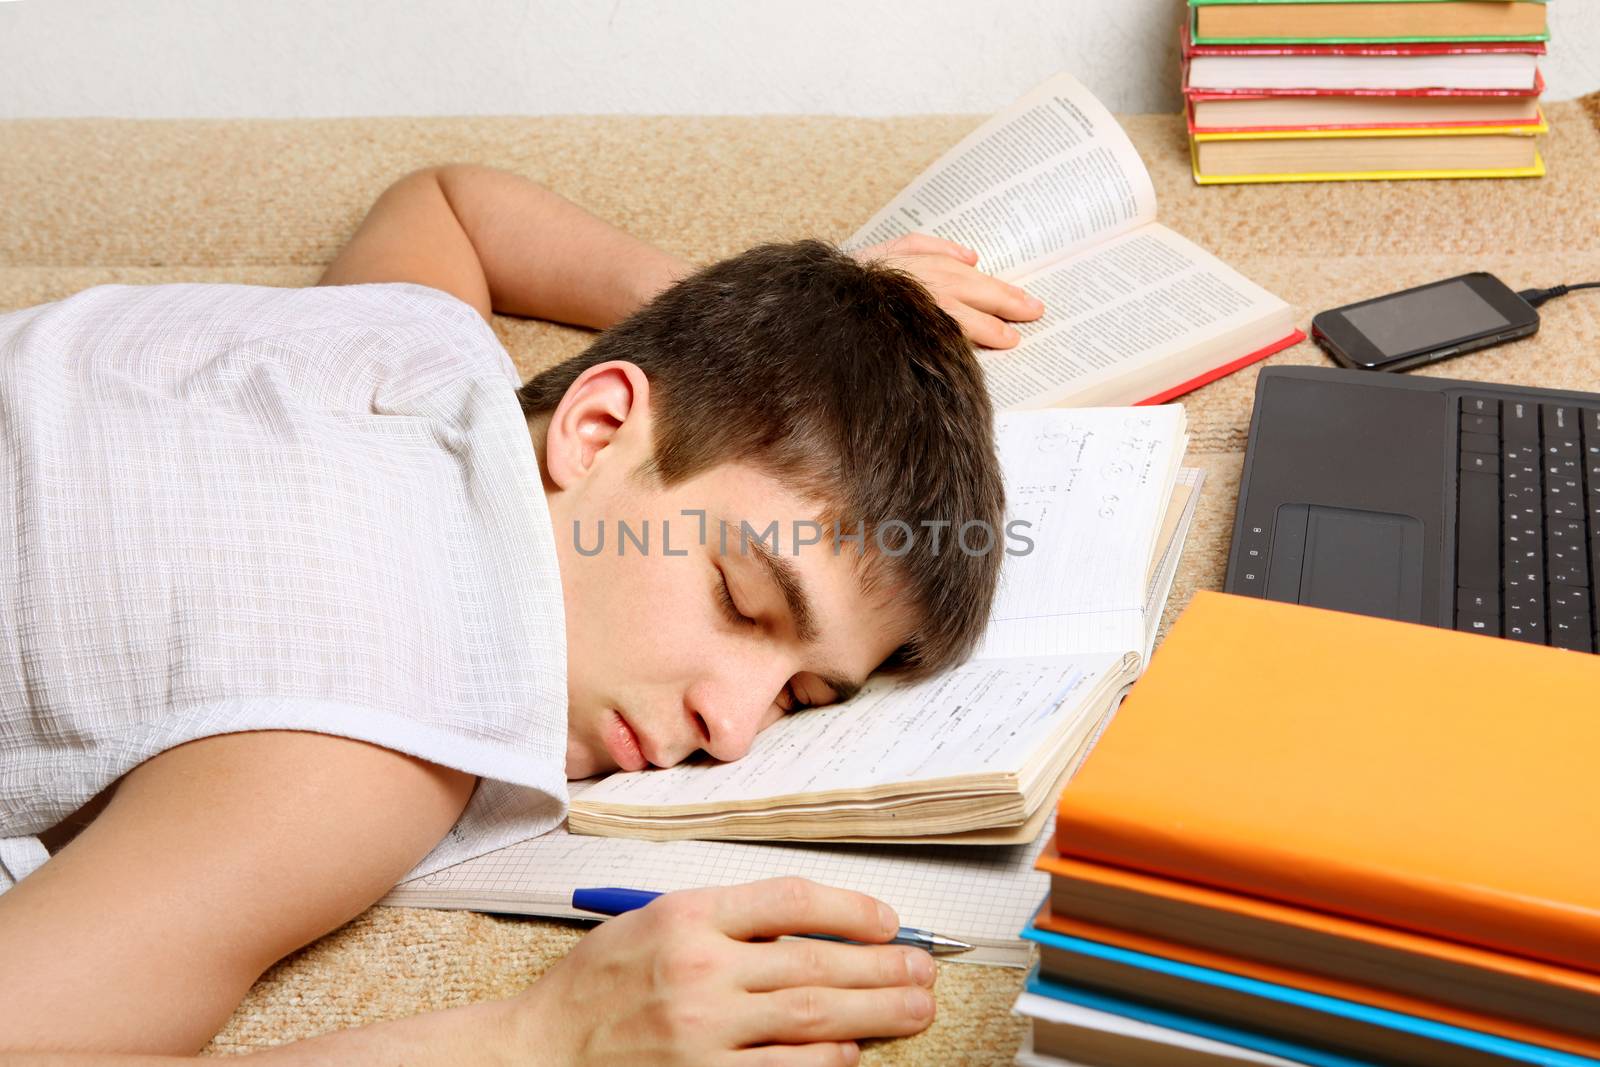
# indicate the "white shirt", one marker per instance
pixel 230 507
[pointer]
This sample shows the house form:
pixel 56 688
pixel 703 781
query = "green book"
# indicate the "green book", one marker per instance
pixel 1365 21
pixel 1208 3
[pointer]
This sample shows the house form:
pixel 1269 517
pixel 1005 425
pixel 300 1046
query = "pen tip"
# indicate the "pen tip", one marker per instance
pixel 940 945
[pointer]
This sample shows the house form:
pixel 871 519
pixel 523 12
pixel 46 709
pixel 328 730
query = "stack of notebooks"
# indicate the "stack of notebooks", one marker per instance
pixel 1319 838
pixel 1305 90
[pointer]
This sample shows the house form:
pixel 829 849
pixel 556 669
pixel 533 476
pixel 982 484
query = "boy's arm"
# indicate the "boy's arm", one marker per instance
pixel 133 944
pixel 211 861
pixel 503 243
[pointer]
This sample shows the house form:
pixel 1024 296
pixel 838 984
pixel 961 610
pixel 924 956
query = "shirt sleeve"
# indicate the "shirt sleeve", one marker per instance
pixel 347 348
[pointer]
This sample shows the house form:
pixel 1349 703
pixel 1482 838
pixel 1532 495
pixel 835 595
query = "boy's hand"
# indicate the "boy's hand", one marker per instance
pixel 978 301
pixel 693 979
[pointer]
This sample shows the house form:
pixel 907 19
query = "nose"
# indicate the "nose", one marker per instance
pixel 732 708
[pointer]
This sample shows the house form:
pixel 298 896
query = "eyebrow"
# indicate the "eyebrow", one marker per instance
pixel 787 579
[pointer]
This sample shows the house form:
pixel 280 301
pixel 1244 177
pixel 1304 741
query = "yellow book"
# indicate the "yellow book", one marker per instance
pixel 1533 170
pixel 1405 152
pixel 1519 129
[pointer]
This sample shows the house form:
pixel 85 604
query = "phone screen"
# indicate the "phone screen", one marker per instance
pixel 1431 316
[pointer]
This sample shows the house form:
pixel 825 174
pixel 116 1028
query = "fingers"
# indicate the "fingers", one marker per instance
pixel 788 964
pixel 781 906
pixel 816 1013
pixel 984 293
pixel 913 244
pixel 982 329
pixel 981 304
pixel 820 1054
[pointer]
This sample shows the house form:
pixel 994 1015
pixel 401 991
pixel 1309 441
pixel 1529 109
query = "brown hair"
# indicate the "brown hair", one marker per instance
pixel 845 380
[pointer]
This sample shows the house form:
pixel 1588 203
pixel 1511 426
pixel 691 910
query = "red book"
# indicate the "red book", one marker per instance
pixel 1223 371
pixel 1481 67
pixel 1297 113
pixel 1530 92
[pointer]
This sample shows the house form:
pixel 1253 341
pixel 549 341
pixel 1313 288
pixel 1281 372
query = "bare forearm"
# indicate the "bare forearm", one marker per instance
pixel 545 257
pixel 474 1036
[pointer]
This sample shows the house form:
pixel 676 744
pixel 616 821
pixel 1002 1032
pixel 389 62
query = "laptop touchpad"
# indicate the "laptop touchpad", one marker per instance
pixel 1367 562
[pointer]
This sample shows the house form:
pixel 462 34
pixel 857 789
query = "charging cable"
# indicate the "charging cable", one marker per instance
pixel 1535 297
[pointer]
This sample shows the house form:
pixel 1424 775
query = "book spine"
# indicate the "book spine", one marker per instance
pixel 1466 1032
pixel 1312 129
pixel 1214 132
pixel 1429 129
pixel 1283 3
pixel 1418 48
pixel 1535 171
pixel 1223 371
pixel 1417 39
pixel 1495 46
pixel 1055 989
pixel 1376 51
pixel 1264 94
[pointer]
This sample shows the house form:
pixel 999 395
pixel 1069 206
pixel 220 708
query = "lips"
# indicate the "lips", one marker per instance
pixel 623 743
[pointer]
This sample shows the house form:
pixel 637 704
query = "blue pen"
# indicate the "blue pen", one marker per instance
pixel 611 901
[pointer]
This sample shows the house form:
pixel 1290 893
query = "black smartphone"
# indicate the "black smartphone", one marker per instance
pixel 1426 323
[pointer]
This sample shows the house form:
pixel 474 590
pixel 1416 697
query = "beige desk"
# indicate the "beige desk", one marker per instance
pixel 84 202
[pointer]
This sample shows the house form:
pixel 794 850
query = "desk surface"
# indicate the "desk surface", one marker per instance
pixel 94 201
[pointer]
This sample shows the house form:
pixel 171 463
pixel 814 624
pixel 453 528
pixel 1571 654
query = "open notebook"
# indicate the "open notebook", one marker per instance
pixel 971 753
pixel 981 895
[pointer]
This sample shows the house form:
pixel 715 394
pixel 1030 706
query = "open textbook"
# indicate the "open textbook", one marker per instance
pixel 974 754
pixel 1054 198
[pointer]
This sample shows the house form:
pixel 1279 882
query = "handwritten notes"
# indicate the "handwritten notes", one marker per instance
pixel 981 718
pixel 1091 484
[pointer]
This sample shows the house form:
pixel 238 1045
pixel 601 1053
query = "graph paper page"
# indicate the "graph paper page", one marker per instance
pixel 980 894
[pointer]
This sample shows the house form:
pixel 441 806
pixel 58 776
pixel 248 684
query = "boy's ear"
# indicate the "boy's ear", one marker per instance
pixel 605 405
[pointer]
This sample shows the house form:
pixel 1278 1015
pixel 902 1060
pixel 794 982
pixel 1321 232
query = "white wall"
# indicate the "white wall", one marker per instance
pixel 195 58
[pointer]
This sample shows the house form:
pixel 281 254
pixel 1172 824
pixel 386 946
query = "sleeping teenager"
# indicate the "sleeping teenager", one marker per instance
pixel 300 594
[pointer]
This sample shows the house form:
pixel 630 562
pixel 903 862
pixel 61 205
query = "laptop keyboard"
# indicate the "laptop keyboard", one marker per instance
pixel 1526 521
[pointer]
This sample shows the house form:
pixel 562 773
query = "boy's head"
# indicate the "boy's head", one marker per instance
pixel 773 479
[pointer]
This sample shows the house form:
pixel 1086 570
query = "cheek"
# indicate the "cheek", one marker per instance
pixel 641 616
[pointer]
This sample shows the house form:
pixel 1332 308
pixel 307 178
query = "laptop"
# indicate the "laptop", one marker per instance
pixel 1449 503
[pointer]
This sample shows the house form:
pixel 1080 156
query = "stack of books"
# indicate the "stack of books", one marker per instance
pixel 1310 837
pixel 1302 90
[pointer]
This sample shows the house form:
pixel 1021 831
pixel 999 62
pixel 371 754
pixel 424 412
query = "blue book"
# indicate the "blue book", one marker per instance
pixel 1182 993
pixel 1188 1024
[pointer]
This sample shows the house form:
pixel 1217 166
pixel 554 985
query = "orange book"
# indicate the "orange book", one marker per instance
pixel 1512 989
pixel 1440 782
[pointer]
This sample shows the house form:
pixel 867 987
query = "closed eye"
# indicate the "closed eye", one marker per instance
pixel 729 608
pixel 789 702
